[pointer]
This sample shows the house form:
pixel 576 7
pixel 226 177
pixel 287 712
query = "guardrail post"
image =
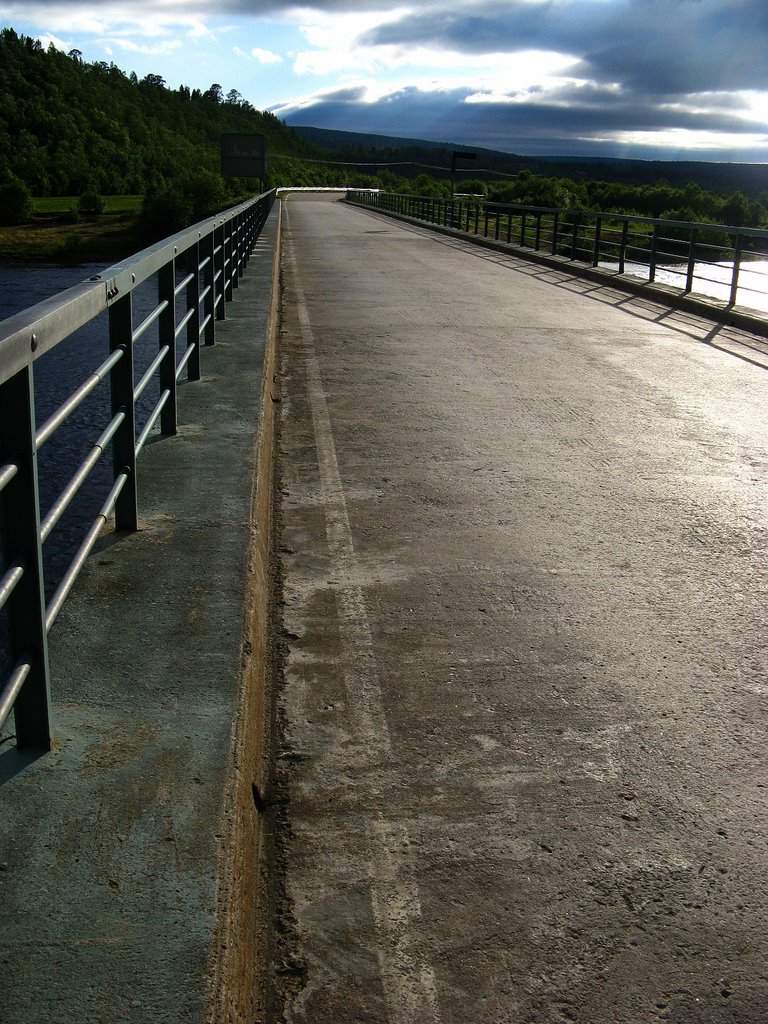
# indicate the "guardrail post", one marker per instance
pixel 209 287
pixel 555 227
pixel 192 262
pixel 537 241
pixel 736 267
pixel 623 245
pixel 575 236
pixel 596 250
pixel 21 542
pixel 166 292
pixel 228 238
pixel 691 260
pixel 654 252
pixel 219 273
pixel 124 441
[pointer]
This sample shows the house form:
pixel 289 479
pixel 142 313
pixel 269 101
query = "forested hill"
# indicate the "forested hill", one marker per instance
pixel 67 126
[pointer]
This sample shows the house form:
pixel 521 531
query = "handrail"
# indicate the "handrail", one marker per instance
pixel 711 260
pixel 190 272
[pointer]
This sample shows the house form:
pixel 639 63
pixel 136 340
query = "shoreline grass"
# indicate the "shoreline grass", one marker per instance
pixel 56 235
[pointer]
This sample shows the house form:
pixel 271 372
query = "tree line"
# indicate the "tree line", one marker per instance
pixel 73 128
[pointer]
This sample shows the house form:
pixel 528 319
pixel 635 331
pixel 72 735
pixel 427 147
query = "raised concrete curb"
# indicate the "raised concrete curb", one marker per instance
pixel 675 298
pixel 129 855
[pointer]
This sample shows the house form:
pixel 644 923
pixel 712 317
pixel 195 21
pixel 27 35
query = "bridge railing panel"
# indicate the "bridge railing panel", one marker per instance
pixel 152 312
pixel 718 261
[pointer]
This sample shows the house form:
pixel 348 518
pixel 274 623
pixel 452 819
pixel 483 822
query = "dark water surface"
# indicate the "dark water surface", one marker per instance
pixel 57 374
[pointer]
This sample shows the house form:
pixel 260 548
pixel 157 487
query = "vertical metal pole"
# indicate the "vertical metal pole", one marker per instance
pixel 228 264
pixel 623 245
pixel 219 273
pixel 654 251
pixel 596 251
pixel 21 541
pixel 193 302
pixel 538 230
pixel 209 273
pixel 124 441
pixel 736 269
pixel 555 225
pixel 575 236
pixel 522 228
pixel 691 260
pixel 238 229
pixel 166 285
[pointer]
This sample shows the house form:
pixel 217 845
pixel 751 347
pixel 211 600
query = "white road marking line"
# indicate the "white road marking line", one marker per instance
pixel 408 980
pixel 361 681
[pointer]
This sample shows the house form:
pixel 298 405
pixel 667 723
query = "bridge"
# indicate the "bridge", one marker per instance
pixel 461 720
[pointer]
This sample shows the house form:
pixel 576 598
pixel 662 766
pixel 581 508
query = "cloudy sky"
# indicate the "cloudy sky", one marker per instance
pixel 669 79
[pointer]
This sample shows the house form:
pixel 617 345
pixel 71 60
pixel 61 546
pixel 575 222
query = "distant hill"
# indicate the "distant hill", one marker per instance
pixel 359 148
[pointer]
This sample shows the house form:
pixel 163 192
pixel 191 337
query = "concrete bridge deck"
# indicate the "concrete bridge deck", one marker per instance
pixel 523 547
pixel 519 765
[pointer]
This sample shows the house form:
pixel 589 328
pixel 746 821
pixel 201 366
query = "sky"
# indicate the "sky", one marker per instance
pixel 649 79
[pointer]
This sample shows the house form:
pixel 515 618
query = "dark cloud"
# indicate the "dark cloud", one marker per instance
pixel 577 120
pixel 663 46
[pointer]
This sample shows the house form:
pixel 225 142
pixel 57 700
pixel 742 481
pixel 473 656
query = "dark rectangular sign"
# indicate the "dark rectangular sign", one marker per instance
pixel 243 156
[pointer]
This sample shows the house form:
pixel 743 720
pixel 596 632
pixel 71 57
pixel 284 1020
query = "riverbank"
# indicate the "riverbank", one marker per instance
pixel 55 239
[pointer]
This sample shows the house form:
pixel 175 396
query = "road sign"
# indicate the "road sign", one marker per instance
pixel 243 156
pixel 460 155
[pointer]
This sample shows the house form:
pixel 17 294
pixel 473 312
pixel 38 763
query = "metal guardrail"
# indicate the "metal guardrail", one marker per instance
pixel 708 259
pixel 196 271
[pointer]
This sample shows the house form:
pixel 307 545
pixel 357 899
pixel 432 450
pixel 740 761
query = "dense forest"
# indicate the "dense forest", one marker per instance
pixel 79 129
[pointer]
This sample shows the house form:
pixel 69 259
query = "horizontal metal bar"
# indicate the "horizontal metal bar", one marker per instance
pixel 138 391
pixel 64 500
pixel 183 284
pixel 122 277
pixel 203 263
pixel 74 400
pixel 217 275
pixel 13 687
pixel 7 473
pixel 148 321
pixel 25 336
pixel 63 589
pixel 10 580
pixel 184 321
pixel 152 420
pixel 184 360
pixel 203 294
pixel 217 249
pixel 205 323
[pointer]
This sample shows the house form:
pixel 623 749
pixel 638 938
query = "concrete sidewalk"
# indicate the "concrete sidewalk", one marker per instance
pixel 128 855
pixel 524 559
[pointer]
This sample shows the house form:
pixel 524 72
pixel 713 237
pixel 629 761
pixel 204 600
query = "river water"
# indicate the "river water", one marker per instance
pixel 712 280
pixel 57 374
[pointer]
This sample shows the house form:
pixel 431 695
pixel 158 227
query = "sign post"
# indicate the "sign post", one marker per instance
pixel 458 155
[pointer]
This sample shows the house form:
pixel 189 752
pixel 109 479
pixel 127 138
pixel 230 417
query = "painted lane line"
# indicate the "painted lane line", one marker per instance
pixel 408 980
pixel 364 703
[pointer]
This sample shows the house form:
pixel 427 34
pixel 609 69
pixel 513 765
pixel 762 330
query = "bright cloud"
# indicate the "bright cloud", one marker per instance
pixel 266 56
pixel 662 77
